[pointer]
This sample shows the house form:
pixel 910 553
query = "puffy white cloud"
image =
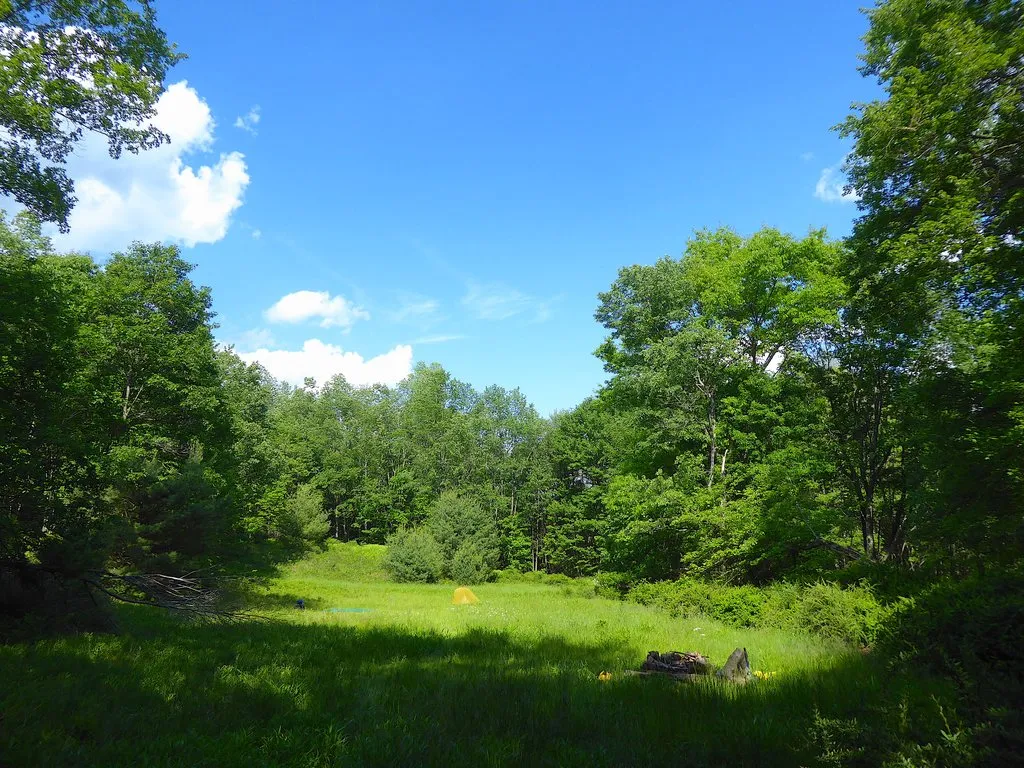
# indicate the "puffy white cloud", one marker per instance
pixel 323 361
pixel 306 305
pixel 249 120
pixel 156 195
pixel 831 187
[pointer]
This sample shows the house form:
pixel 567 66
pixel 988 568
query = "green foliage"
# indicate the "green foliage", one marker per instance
pixel 304 518
pixel 935 267
pixel 414 555
pixel 343 561
pixel 521 670
pixel 850 615
pixel 469 565
pixel 456 521
pixel 969 630
pixel 71 67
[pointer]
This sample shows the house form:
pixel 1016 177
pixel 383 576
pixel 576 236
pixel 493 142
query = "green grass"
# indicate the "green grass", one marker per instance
pixel 417 681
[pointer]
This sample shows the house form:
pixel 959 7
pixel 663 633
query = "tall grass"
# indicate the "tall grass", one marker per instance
pixel 414 680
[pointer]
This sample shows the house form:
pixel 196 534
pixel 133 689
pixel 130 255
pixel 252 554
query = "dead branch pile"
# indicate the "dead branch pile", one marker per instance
pixel 680 664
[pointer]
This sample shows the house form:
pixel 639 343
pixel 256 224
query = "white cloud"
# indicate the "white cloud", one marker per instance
pixel 830 187
pixel 496 301
pixel 249 120
pixel 306 305
pixel 323 361
pixel 155 195
pixel 256 234
pixel 439 338
pixel 415 306
pixel 256 337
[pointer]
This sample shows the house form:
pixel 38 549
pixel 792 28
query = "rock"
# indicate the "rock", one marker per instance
pixel 737 668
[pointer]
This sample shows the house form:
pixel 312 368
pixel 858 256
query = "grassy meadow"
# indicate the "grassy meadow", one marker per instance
pixel 375 673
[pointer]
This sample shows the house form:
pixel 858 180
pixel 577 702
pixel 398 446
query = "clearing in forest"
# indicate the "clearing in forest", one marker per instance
pixel 412 679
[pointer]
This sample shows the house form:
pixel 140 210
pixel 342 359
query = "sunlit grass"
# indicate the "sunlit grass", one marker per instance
pixel 416 680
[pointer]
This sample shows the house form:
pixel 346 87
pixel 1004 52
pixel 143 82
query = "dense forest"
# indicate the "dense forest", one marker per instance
pixel 778 407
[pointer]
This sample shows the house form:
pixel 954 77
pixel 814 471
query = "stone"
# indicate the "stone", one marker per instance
pixel 737 668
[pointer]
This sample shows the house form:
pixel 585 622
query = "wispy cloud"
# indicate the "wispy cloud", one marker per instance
pixel 807 156
pixel 831 187
pixel 440 338
pixel 255 337
pixel 497 301
pixel 256 234
pixel 415 306
pixel 249 120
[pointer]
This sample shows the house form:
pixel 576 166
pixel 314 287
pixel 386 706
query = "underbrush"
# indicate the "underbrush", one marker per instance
pixel 849 615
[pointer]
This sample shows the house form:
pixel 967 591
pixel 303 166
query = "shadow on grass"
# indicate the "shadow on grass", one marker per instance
pixel 269 694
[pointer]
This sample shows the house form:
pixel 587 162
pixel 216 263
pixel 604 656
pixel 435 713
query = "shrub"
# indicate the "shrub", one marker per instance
pixel 612 584
pixel 469 566
pixel 971 628
pixel 848 615
pixel 737 606
pixel 970 631
pixel 303 517
pixel 413 555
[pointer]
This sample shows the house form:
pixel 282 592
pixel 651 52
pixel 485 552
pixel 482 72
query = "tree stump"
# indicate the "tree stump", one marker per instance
pixel 737 668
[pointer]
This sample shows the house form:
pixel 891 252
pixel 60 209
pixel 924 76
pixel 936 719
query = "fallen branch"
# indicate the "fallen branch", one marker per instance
pixel 190 594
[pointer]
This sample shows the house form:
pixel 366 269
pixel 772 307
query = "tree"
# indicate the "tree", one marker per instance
pixel 413 555
pixel 936 260
pixel 68 67
pixel 157 393
pixel 304 519
pixel 684 332
pixel 48 431
pixel 456 520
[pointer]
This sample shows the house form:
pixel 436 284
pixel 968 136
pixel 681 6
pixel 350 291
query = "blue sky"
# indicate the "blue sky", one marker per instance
pixel 456 181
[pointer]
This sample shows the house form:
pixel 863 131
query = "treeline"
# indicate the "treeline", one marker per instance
pixel 129 438
pixel 775 406
pixel 751 428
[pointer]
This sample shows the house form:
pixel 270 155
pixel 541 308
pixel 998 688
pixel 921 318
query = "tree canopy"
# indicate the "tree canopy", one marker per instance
pixel 67 68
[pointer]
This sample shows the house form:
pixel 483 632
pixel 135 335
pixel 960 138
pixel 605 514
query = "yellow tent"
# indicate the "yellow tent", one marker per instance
pixel 464 596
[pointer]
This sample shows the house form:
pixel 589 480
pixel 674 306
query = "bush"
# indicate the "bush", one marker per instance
pixel 469 566
pixel 970 631
pixel 612 584
pixel 970 628
pixel 413 556
pixel 850 615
